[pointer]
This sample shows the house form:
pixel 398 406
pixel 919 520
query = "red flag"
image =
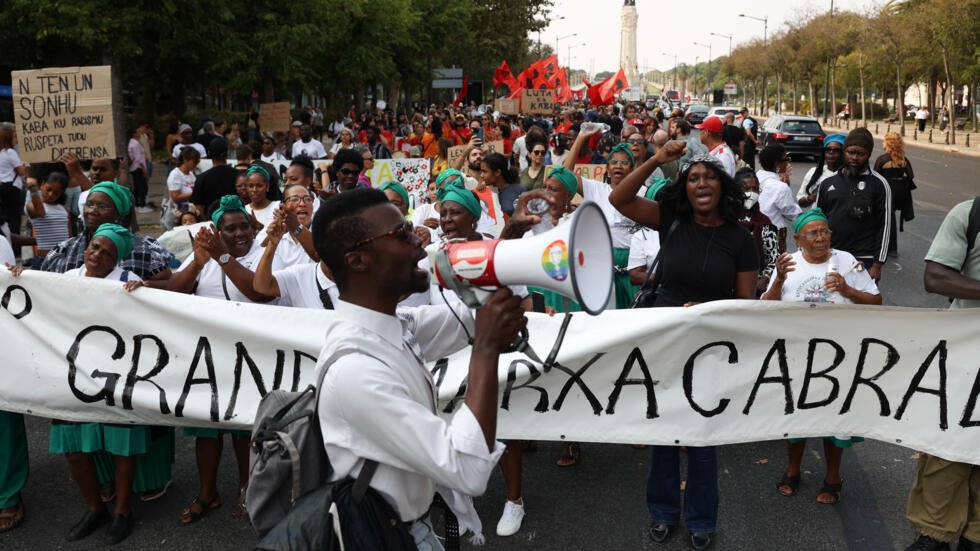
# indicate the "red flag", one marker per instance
pixel 462 93
pixel 605 92
pixel 564 91
pixel 503 77
pixel 537 74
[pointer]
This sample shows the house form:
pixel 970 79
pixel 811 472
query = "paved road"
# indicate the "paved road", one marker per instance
pixel 599 504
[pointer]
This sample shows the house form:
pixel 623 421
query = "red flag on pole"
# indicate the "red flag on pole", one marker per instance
pixel 604 93
pixel 461 96
pixel 504 77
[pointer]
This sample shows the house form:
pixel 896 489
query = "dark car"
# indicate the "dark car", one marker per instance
pixel 801 136
pixel 696 114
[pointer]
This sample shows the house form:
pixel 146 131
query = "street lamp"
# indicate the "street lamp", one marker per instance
pixel 765 33
pixel 674 79
pixel 729 37
pixel 560 38
pixel 708 76
pixel 559 18
pixel 569 64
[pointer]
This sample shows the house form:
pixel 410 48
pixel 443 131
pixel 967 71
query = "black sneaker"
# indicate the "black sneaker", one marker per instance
pixel 700 541
pixel 119 530
pixel 925 543
pixel 659 532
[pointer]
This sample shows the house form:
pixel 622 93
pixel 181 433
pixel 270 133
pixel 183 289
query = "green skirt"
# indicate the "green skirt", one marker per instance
pixel 153 469
pixel 843 444
pixel 624 290
pixel 195 432
pixel 124 440
pixel 14 466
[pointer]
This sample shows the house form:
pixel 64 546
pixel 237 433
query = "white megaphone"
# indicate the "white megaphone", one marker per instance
pixel 574 259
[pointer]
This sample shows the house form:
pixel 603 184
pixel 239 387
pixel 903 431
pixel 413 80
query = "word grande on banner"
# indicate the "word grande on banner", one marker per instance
pixel 61 110
pixel 274 117
pixel 538 102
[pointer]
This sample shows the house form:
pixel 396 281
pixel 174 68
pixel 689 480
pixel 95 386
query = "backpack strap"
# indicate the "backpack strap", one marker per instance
pixel 972 227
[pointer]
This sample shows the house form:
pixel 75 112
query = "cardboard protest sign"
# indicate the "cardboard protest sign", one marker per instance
pixel 537 102
pixel 412 174
pixel 591 172
pixel 62 110
pixel 507 106
pixel 496 146
pixel 274 117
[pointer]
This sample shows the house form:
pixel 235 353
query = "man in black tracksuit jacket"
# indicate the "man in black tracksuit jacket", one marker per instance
pixel 858 203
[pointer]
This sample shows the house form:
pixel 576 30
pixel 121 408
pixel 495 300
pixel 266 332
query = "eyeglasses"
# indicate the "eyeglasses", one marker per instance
pixel 813 234
pixel 96 207
pixel 299 199
pixel 347 171
pixel 636 141
pixel 537 152
pixel 368 159
pixel 618 162
pixel 403 232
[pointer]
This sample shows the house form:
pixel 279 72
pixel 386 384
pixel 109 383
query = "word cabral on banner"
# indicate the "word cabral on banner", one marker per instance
pixel 733 371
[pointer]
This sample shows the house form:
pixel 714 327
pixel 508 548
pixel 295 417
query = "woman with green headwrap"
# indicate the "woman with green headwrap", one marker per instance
pixel 397 195
pixel 222 268
pixel 620 164
pixel 818 273
pixel 257 180
pixel 81 441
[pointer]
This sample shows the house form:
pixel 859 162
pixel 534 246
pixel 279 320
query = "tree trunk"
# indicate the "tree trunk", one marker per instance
pixel 796 95
pixel 899 99
pixel 813 110
pixel 864 119
pixel 779 84
pixel 931 95
pixel 833 90
pixel 951 104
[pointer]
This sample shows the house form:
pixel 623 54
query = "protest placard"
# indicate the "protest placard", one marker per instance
pixel 412 174
pixel 507 106
pixel 62 110
pixel 274 117
pixel 590 172
pixel 538 102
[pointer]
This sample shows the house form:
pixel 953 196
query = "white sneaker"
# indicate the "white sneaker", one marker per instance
pixel 510 520
pixel 144 210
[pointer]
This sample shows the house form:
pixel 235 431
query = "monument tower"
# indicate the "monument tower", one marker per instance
pixel 627 48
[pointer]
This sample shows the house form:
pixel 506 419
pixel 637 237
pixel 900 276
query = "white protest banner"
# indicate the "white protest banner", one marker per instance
pixel 537 102
pixel 412 174
pixel 62 110
pixel 274 117
pixel 718 373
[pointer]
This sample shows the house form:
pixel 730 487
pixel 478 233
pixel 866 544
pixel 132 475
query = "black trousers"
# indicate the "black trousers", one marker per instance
pixel 140 187
pixel 12 205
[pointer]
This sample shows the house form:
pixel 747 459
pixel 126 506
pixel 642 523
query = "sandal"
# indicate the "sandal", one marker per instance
pixel 787 481
pixel 833 490
pixel 239 510
pixel 570 455
pixel 107 492
pixel 12 519
pixel 189 516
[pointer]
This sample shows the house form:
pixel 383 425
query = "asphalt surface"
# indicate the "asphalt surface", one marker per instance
pixel 598 504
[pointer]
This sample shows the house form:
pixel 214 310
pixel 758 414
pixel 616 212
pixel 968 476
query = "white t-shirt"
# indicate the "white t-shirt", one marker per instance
pixel 263 215
pixel 806 282
pixel 727 158
pixel 115 275
pixel 619 225
pixel 9 161
pixel 921 114
pixel 424 212
pixel 300 284
pixel 313 149
pixel 338 146
pixel 180 182
pixel 276 156
pixel 178 146
pixel 209 279
pixel 644 246
pixel 556 159
pixel 520 150
pixel 776 200
pixel 290 252
pixel 827 173
pixel 6 252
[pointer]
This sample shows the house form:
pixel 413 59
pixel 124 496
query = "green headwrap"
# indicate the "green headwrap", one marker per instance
pixel 447 175
pixel 657 185
pixel 259 169
pixel 463 196
pixel 120 236
pixel 397 188
pixel 623 147
pixel 807 217
pixel 229 203
pixel 566 177
pixel 116 192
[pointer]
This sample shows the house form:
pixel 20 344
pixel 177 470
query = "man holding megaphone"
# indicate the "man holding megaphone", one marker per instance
pixel 377 401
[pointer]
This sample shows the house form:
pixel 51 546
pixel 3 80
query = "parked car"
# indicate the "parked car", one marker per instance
pixel 720 111
pixel 673 96
pixel 696 113
pixel 801 136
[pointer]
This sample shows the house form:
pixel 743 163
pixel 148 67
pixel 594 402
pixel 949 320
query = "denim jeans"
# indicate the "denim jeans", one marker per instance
pixel 701 493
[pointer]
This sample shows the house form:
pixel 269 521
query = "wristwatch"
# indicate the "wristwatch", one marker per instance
pixel 224 259
pixel 298 229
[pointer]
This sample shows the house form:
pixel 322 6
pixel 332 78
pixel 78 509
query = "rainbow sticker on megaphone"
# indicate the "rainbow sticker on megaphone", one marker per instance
pixel 554 260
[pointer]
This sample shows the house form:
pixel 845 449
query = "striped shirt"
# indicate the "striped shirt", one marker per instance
pixel 52 228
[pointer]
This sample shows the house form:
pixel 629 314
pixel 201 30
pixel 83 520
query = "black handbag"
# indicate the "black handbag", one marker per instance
pixel 646 296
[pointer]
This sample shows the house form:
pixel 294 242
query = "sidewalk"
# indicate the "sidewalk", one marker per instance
pixel 912 137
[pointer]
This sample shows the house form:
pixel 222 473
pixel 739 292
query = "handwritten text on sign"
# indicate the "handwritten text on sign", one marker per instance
pixel 538 102
pixel 274 117
pixel 64 110
pixel 412 174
